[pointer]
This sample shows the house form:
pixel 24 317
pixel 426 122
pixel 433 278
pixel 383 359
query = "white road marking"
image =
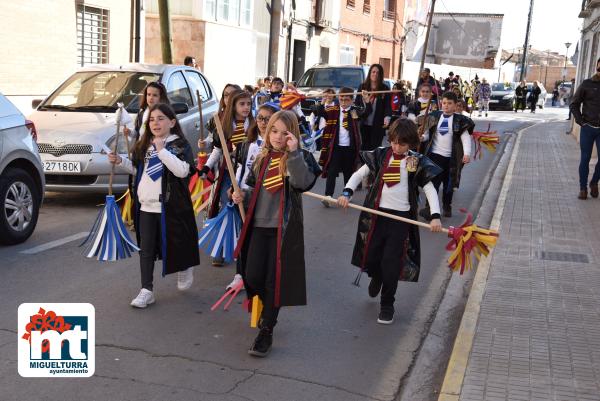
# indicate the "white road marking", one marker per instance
pixel 54 244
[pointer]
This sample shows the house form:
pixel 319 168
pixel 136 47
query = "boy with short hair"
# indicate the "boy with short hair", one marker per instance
pixel 387 249
pixel 340 141
pixel 447 142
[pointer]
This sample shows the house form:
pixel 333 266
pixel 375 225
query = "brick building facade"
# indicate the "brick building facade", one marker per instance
pixel 370 32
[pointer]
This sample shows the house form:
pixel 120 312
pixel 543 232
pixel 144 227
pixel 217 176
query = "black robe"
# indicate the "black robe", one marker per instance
pixel 290 287
pixel 410 265
pixel 178 242
pixel 460 124
pixel 331 133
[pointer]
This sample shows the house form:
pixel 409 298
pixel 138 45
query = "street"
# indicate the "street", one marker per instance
pixel 178 349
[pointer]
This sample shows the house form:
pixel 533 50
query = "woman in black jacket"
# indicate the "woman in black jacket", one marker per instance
pixel 377 111
pixel 534 96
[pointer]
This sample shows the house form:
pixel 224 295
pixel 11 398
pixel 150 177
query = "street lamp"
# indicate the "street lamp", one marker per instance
pixel 567 45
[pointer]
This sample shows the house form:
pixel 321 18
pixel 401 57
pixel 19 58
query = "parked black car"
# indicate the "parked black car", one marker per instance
pixel 323 76
pixel 503 96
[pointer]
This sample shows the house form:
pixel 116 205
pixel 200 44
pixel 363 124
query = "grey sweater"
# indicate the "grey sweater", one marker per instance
pixel 266 213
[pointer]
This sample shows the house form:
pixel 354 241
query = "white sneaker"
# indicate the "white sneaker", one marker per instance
pixel 185 279
pixel 144 298
pixel 236 280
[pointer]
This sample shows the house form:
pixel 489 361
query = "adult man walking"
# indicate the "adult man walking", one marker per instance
pixel 588 117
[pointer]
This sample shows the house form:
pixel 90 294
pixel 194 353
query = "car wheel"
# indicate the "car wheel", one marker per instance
pixel 19 206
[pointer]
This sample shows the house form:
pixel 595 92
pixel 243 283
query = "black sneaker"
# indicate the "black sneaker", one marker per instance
pixel 425 213
pixel 386 315
pixel 218 261
pixel 447 211
pixel 375 286
pixel 262 343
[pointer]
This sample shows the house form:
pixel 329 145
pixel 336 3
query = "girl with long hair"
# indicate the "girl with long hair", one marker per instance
pixel 377 111
pixel 165 225
pixel 271 243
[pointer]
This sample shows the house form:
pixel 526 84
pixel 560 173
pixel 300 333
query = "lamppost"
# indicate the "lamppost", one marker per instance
pixel 567 45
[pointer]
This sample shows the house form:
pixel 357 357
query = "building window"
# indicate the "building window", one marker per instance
pixel 237 12
pixel 584 60
pixel 350 3
pixel 593 53
pixel 389 10
pixel 363 56
pixel 324 55
pixel 346 54
pixel 92 35
pixel 210 9
pixel 367 7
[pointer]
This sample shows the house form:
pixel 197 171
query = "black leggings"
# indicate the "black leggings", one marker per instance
pixel 149 240
pixel 260 271
pixel 386 251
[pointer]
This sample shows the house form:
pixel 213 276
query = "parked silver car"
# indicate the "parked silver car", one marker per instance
pixel 77 120
pixel 21 175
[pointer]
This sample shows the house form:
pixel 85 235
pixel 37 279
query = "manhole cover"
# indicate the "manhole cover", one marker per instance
pixel 564 257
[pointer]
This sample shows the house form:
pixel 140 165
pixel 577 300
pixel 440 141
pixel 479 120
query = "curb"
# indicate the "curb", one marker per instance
pixel 457 365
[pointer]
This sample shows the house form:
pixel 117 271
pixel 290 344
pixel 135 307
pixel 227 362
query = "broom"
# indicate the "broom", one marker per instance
pixel 489 139
pixel 291 98
pixel 108 239
pixel 220 234
pixel 197 184
pixel 465 240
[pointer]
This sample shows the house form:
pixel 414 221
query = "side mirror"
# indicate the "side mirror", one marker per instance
pixel 180 108
pixel 35 103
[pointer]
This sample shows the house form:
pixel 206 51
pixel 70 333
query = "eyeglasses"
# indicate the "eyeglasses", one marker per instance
pixel 262 119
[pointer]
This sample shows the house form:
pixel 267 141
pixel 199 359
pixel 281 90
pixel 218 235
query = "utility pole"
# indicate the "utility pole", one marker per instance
pixel 427 36
pixel 526 45
pixel 547 61
pixel 165 31
pixel 274 26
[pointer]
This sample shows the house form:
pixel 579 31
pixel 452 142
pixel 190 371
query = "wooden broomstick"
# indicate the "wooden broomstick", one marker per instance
pixel 292 98
pixel 115 148
pixel 465 240
pixel 230 169
pixel 427 110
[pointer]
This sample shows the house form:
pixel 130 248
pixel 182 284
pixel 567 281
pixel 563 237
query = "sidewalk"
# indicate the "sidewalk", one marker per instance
pixel 537 336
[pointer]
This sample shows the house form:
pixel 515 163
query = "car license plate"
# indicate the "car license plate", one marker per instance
pixel 494 101
pixel 62 167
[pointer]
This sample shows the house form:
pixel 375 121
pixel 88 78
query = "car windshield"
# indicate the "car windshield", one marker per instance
pixel 100 91
pixel 331 77
pixel 501 87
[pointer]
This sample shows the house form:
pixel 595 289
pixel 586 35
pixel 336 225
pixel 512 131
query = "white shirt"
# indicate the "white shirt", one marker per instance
pixel 253 151
pixel 396 196
pixel 442 144
pixel 148 190
pixel 344 134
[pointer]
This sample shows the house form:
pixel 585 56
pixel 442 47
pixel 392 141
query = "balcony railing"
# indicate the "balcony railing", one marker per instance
pixel 389 14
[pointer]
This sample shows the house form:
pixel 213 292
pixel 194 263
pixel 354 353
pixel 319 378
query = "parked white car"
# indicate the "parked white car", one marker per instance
pixel 21 175
pixel 77 121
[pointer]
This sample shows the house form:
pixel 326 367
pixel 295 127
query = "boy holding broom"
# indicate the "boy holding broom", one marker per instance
pixel 389 250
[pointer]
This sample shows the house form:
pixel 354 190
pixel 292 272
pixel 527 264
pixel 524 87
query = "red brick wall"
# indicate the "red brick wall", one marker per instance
pixel 381 30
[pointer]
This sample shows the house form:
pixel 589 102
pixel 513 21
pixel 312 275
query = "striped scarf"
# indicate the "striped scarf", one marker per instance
pixel 239 133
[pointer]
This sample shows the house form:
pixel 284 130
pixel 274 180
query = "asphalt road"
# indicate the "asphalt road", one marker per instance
pixel 178 349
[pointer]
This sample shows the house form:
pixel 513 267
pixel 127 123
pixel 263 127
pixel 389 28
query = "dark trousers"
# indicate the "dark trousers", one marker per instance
pixel 443 178
pixel 260 271
pixel 149 241
pixel 519 103
pixel 342 161
pixel 386 251
pixel 588 136
pixel 371 136
pixel 533 104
